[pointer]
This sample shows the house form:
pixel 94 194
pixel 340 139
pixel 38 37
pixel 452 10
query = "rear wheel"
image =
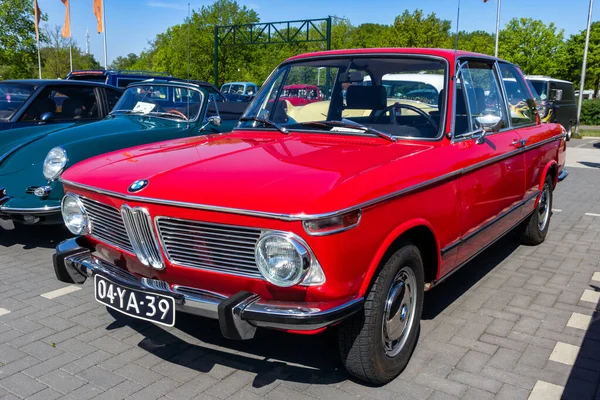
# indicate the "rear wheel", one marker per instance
pixel 376 344
pixel 536 227
pixel 569 131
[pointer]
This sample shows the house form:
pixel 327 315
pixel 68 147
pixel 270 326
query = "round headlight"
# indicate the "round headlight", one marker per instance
pixel 55 163
pixel 281 259
pixel 74 215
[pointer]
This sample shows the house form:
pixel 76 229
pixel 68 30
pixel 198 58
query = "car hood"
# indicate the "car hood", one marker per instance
pixel 259 171
pixel 25 147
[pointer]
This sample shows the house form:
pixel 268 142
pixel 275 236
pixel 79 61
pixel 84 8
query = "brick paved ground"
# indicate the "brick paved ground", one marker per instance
pixel 511 325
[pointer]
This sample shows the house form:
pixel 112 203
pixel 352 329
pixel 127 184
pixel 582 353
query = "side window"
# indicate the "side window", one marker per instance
pixel 66 103
pixel 522 105
pixel 112 96
pixel 479 99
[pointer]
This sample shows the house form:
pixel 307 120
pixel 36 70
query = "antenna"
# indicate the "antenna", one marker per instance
pixel 457 24
pixel 188 47
pixel 87 41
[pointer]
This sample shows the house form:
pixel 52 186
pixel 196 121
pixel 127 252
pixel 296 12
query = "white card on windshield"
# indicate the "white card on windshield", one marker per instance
pixel 143 108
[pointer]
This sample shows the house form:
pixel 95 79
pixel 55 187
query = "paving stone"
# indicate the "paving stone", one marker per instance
pixel 510 392
pixel 564 353
pixel 477 381
pixel 500 327
pixel 546 391
pixel 61 381
pixel 21 385
pixel 100 377
pixel 473 361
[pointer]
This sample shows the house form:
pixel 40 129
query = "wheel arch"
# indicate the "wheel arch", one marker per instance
pixel 419 232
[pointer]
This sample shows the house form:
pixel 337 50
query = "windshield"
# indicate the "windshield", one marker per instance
pixel 541 87
pixel 398 96
pixel 12 97
pixel 166 101
pixel 233 89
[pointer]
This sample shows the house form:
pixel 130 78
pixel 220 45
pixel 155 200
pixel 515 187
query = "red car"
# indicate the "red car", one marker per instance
pixel 299 95
pixel 342 214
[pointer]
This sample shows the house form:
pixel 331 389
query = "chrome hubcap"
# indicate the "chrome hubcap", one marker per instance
pixel 544 208
pixel 399 311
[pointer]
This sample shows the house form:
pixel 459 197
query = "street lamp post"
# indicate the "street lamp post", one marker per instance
pixel 497 27
pixel 583 68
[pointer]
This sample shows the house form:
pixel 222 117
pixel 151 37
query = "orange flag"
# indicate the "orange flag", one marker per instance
pixel 66 32
pixel 98 13
pixel 37 16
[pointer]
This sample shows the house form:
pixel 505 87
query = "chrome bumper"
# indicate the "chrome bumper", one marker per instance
pixel 239 315
pixel 563 175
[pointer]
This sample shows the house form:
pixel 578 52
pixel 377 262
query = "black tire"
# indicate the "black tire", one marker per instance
pixel 569 131
pixel 534 231
pixel 361 337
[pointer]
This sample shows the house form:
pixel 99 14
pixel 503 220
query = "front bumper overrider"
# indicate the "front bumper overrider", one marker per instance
pixel 239 315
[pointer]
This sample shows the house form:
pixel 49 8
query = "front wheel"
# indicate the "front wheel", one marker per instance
pixel 376 344
pixel 536 227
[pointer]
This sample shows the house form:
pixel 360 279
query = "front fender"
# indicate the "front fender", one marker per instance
pixel 389 240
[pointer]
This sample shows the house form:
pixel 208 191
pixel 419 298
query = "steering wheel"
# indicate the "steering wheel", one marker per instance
pixel 408 107
pixel 182 115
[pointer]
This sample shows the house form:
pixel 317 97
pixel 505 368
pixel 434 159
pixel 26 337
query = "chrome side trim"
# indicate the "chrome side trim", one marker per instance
pixel 514 208
pixel 302 216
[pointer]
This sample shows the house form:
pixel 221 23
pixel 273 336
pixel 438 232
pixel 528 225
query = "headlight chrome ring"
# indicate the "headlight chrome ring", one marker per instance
pixel 282 259
pixel 75 215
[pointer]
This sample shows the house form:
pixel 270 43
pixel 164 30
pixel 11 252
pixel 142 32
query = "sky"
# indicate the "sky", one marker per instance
pixel 131 24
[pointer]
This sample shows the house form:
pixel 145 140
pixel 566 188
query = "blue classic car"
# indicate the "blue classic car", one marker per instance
pixel 239 91
pixel 53 104
pixel 33 159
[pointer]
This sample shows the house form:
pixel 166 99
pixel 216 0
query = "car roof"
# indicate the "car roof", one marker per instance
pixel 57 82
pixel 545 78
pixel 444 53
pixel 174 81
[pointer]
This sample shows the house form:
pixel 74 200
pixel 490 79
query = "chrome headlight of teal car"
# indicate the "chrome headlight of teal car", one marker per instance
pixel 55 162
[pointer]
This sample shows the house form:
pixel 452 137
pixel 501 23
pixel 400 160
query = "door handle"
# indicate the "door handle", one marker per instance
pixel 519 143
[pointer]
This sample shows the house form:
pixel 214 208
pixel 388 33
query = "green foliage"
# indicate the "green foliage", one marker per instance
pixel 416 30
pixel 590 112
pixel 18 52
pixel 532 45
pixel 573 59
pixel 477 42
pixel 127 62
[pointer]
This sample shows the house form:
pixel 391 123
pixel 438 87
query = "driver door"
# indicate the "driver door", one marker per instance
pixel 493 183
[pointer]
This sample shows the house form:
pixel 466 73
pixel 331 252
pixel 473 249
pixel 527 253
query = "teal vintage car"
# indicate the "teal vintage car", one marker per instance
pixel 32 159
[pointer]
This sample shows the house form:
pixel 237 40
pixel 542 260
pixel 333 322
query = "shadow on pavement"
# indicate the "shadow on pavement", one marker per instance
pixel 589 164
pixel 274 355
pixel 584 381
pixel 34 236
pixel 442 296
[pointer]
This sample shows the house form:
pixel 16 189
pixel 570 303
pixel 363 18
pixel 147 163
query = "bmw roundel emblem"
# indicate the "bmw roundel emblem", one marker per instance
pixel 137 185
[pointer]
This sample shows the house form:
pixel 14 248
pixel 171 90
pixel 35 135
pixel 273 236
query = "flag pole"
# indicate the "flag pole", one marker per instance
pixel 497 27
pixel 39 57
pixel 70 37
pixel 104 29
pixel 584 66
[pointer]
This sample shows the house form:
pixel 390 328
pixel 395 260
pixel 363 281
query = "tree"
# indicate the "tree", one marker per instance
pixel 573 58
pixel 127 62
pixel 55 55
pixel 370 35
pixel 416 30
pixel 476 41
pixel 18 52
pixel 532 45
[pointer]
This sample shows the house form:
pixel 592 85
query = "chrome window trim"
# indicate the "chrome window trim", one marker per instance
pixel 443 118
pixel 168 84
pixel 302 216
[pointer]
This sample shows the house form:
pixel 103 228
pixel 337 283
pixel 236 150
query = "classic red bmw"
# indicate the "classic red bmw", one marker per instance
pixel 341 212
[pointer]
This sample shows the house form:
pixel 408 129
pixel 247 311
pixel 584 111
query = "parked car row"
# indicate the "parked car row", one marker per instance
pixel 333 206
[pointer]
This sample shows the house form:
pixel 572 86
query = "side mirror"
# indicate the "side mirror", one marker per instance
pixel 47 116
pixel 215 121
pixel 489 123
pixel 556 95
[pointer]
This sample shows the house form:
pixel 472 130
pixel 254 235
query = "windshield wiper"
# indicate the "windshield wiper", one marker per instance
pixel 352 125
pixel 166 114
pixel 266 122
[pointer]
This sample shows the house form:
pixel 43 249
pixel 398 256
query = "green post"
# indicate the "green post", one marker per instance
pixel 216 56
pixel 327 77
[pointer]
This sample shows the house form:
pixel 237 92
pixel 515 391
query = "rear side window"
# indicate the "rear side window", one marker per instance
pixel 124 82
pixel 522 105
pixel 567 89
pixel 68 103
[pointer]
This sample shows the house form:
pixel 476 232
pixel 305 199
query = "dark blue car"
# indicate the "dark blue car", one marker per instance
pixel 116 78
pixel 30 102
